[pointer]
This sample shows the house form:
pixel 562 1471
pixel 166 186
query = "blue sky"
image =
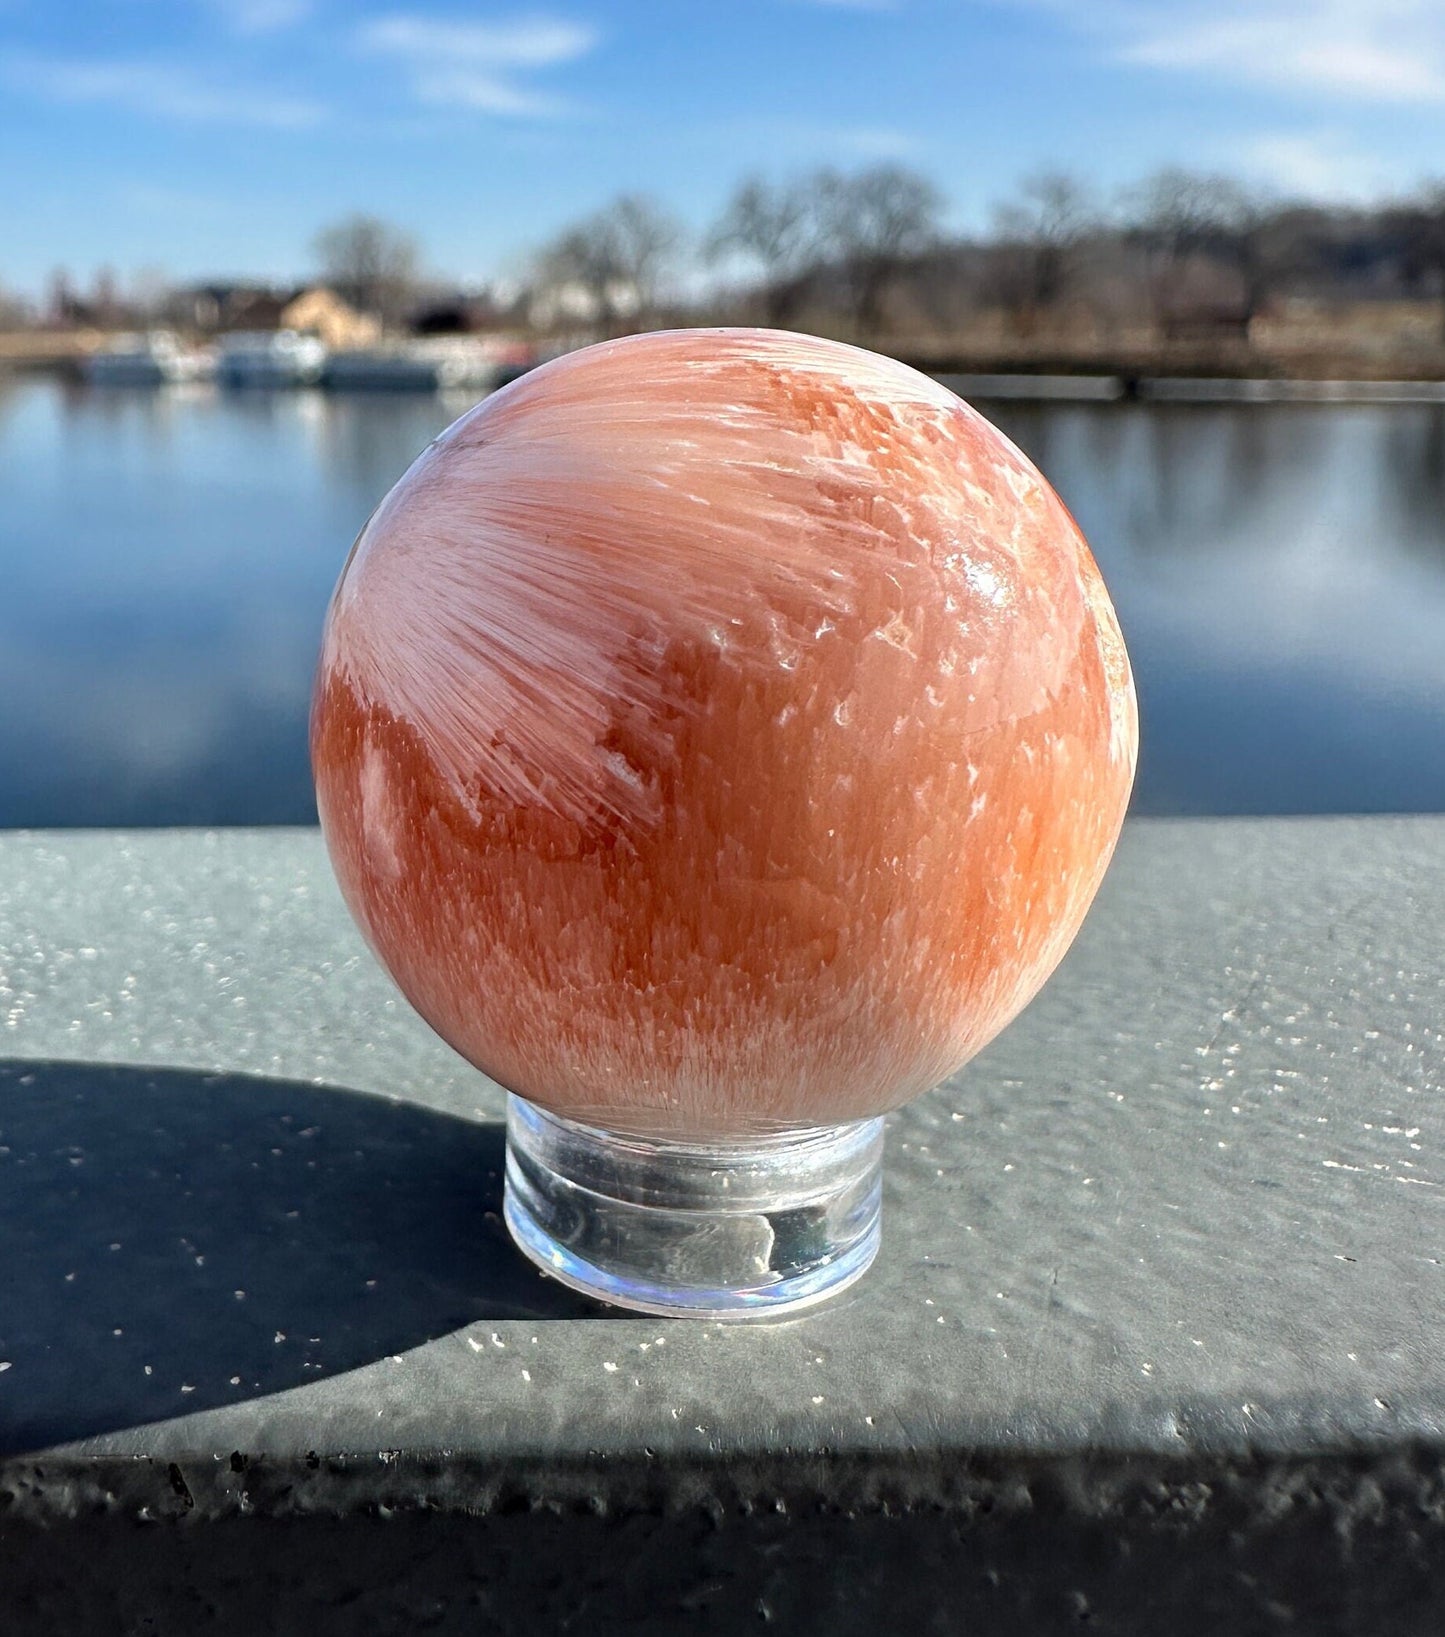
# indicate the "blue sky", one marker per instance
pixel 217 136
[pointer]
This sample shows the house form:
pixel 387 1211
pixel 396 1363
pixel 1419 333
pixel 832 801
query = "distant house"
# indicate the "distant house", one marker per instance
pixel 570 301
pixel 461 312
pixel 312 309
pixel 215 307
pixel 321 312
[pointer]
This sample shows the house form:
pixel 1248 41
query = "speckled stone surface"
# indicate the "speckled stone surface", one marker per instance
pixel 1155 1336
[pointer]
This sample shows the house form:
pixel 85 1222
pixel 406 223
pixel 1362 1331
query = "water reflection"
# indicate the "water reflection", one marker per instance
pixel 1280 575
pixel 360 437
pixel 167 556
pixel 1414 451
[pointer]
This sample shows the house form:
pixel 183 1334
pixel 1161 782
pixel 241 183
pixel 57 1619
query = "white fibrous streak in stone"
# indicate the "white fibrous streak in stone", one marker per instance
pixel 721 730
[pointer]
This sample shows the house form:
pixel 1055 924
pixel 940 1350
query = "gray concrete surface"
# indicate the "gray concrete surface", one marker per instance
pixel 1154 1342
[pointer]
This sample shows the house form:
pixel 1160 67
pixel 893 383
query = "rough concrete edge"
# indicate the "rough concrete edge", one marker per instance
pixel 1354 1486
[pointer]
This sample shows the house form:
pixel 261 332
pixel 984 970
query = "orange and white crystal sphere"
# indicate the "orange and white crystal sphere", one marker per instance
pixel 720 732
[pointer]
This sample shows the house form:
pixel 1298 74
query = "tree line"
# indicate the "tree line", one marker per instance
pixel 1185 252
pixel 866 254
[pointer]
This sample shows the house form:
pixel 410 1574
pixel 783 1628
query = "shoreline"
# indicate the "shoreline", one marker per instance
pixel 1163 375
pixel 1188 389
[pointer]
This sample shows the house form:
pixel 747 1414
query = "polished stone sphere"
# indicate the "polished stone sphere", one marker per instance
pixel 721 731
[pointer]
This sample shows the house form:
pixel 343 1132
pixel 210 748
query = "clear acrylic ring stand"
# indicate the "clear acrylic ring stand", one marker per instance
pixel 718 1229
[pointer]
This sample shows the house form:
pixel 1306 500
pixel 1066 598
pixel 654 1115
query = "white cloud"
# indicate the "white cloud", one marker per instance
pixel 1359 52
pixel 1383 51
pixel 822 142
pixel 160 90
pixel 1311 165
pixel 476 65
pixel 262 16
pixel 535 44
pixel 874 142
pixel 486 93
pixel 155 200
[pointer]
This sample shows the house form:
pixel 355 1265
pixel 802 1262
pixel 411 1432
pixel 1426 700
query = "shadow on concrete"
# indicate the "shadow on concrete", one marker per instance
pixel 172 1240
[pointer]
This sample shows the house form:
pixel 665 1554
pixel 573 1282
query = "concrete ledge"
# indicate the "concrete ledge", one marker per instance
pixel 1154 1342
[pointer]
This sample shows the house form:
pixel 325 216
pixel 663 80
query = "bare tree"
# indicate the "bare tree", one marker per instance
pixel 873 223
pixel 148 292
pixel 107 309
pixel 369 262
pixel 1421 228
pixel 1182 216
pixel 615 260
pixel 646 241
pixel 61 300
pixel 777 229
pixel 15 311
pixel 577 276
pixel 1040 235
pixel 1180 211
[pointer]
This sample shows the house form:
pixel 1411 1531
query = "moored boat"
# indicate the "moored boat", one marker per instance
pixel 271 358
pixel 155 358
pixel 433 365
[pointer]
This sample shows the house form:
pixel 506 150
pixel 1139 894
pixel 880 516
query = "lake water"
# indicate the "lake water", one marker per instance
pixel 166 557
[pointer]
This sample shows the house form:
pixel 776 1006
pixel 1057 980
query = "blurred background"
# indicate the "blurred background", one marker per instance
pixel 255 254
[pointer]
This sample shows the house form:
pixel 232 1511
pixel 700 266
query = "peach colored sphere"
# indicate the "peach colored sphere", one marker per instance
pixel 721 731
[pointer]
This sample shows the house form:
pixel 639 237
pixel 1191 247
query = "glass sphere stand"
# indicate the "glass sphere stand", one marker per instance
pixel 733 1228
